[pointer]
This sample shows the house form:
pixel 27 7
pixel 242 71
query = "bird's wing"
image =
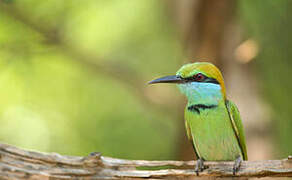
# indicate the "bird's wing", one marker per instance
pixel 237 126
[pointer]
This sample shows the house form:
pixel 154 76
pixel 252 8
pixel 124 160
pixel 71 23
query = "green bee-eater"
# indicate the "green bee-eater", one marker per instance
pixel 212 122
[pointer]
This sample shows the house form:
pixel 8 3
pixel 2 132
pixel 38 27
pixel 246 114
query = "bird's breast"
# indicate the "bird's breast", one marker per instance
pixel 212 132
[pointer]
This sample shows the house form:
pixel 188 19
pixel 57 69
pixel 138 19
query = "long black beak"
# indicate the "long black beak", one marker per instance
pixel 167 79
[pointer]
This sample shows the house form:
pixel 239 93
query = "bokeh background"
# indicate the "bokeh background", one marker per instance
pixel 73 73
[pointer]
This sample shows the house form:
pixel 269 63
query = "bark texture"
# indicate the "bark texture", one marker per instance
pixel 17 163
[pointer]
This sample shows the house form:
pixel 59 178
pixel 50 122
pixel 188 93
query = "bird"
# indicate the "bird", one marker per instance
pixel 212 122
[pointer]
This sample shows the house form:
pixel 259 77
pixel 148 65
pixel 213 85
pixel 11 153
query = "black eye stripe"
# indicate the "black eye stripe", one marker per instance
pixel 206 80
pixel 211 80
pixel 193 78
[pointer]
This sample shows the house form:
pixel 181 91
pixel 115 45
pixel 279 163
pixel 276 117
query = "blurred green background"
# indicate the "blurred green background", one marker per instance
pixel 73 74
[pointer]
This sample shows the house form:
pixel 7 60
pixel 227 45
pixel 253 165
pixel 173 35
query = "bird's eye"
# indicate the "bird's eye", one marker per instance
pixel 199 77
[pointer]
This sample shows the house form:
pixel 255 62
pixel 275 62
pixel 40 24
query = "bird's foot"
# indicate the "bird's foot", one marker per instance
pixel 237 164
pixel 199 166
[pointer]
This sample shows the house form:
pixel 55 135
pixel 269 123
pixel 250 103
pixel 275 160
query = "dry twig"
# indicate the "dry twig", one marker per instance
pixel 16 163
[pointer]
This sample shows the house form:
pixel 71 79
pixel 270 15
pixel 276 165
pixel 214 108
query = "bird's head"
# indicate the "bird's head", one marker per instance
pixel 201 78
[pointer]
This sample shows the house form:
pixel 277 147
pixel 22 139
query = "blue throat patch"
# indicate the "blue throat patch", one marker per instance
pixel 202 93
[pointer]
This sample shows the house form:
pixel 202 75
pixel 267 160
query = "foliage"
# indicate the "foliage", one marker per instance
pixel 56 91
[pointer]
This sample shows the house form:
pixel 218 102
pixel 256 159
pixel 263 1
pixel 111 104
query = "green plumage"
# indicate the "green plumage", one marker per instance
pixel 237 126
pixel 213 123
pixel 216 133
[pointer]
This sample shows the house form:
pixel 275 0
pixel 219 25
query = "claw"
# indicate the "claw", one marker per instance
pixel 237 164
pixel 199 166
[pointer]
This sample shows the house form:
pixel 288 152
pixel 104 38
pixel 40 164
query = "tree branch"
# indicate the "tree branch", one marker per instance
pixel 22 164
